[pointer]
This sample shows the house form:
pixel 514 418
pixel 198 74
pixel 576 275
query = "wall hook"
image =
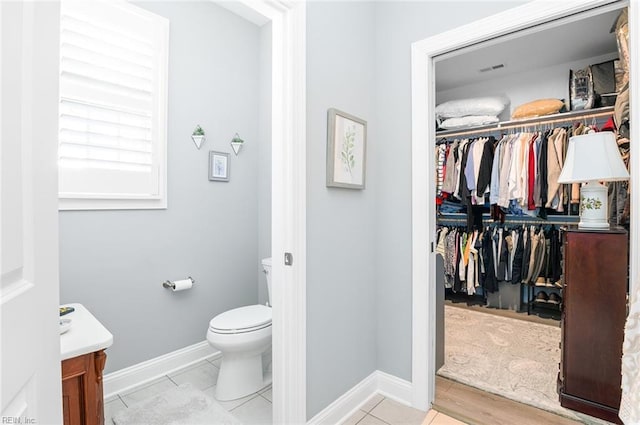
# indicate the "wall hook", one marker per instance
pixel 236 144
pixel 198 136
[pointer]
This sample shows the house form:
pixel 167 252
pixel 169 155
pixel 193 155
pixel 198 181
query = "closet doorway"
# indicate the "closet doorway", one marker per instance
pixel 531 18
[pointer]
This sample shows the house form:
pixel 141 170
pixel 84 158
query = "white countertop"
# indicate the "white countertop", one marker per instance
pixel 86 334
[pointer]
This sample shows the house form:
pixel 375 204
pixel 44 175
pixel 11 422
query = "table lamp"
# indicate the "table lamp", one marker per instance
pixel 593 158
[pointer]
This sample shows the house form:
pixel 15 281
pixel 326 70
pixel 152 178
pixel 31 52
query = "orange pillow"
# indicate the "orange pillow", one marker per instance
pixel 537 108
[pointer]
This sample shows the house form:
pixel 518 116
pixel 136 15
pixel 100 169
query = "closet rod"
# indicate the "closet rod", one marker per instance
pixel 547 119
pixel 572 219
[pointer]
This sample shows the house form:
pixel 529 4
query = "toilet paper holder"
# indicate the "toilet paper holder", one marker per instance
pixel 169 284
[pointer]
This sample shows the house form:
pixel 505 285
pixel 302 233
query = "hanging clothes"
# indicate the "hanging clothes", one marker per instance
pixel 516 174
pixel 498 254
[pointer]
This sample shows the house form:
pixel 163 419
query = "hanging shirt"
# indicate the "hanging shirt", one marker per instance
pixel 440 161
pixel 440 246
pixel 489 281
pixel 514 181
pixel 494 191
pixel 523 170
pixel 536 187
pixel 470 181
pixel 526 254
pixel 555 197
pixel 449 182
pixel 450 248
pixel 516 268
pixel 502 255
pixel 505 168
pixel 531 176
pixel 471 265
pixel 460 166
pixel 483 183
pixel 477 196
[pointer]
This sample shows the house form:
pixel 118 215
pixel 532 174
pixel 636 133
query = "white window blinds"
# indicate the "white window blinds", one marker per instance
pixel 113 102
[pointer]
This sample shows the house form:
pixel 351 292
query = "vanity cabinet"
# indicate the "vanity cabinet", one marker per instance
pixel 82 389
pixel 82 354
pixel 592 321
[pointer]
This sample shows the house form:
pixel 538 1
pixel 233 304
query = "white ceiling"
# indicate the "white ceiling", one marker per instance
pixel 560 44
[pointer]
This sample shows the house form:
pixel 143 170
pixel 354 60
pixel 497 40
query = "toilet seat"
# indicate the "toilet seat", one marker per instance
pixel 241 320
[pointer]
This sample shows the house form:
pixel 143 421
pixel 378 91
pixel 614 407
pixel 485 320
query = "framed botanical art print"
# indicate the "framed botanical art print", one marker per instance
pixel 346 150
pixel 218 166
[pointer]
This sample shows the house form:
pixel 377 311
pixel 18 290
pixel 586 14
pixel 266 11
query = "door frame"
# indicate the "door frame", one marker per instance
pixel 288 199
pixel 528 17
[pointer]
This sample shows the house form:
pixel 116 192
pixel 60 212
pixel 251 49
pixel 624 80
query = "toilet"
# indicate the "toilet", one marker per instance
pixel 242 335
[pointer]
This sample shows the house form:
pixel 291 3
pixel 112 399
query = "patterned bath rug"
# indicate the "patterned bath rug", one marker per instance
pixel 509 357
pixel 183 405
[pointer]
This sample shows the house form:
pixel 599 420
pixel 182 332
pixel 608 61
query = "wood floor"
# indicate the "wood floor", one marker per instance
pixel 476 407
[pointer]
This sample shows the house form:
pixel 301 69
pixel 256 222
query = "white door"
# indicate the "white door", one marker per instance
pixel 30 386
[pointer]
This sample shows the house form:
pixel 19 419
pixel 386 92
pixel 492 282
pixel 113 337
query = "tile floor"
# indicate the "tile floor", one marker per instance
pixel 255 409
pixel 379 410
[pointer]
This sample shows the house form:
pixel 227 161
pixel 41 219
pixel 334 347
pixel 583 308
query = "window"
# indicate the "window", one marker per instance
pixel 113 106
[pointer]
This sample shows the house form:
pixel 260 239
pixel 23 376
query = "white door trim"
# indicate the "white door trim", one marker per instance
pixel 528 17
pixel 288 194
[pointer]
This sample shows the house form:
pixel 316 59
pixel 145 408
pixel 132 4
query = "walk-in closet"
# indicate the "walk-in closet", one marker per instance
pixel 518 272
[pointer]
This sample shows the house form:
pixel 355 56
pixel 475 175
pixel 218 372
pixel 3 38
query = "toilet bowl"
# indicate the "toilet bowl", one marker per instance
pixel 242 335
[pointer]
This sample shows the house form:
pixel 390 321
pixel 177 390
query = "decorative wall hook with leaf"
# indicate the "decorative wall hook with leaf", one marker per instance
pixel 236 144
pixel 198 136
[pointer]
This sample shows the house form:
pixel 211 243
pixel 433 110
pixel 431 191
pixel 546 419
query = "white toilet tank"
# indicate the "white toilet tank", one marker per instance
pixel 266 266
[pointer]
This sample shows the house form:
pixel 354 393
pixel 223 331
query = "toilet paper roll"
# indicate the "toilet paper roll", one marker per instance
pixel 181 285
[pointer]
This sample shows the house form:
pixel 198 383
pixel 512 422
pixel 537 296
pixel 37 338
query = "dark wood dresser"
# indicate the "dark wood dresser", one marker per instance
pixel 595 290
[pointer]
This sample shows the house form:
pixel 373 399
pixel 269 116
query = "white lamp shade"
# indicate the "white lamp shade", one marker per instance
pixel 593 157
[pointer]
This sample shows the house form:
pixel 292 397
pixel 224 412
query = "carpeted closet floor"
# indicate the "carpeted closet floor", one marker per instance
pixel 509 357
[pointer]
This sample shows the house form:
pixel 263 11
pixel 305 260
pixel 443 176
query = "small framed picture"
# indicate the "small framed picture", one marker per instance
pixel 218 166
pixel 346 150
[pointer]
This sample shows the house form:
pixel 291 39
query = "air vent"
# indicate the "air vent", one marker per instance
pixel 492 68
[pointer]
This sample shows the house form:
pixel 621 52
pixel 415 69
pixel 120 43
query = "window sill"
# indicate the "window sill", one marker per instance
pixel 87 204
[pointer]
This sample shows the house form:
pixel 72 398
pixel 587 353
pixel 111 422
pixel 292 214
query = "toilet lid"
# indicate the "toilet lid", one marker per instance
pixel 242 319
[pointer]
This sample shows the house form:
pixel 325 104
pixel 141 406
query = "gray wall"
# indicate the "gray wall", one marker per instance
pixel 398 24
pixel 341 223
pixel 359 242
pixel 264 156
pixel 113 262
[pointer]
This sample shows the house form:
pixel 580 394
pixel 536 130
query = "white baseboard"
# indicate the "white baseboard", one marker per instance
pixel 347 404
pixel 124 379
pixel 395 388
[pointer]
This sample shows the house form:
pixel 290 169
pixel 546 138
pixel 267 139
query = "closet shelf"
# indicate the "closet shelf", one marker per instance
pixel 548 286
pixel 528 122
